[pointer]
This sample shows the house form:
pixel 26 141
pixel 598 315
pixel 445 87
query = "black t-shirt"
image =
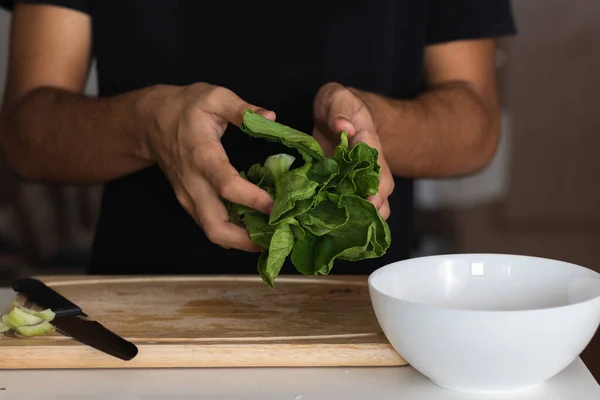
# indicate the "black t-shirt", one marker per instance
pixel 275 54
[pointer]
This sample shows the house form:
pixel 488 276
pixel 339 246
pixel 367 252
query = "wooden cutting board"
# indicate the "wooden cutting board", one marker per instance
pixel 189 321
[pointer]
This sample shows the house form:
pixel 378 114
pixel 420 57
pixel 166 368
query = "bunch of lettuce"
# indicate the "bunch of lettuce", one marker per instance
pixel 320 212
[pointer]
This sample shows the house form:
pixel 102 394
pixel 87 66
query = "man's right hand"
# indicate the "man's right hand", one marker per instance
pixel 76 139
pixel 183 133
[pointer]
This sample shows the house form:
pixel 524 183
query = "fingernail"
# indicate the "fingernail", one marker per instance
pixel 343 124
pixel 267 114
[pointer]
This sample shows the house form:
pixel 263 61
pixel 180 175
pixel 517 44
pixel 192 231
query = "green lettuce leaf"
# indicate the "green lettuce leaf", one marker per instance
pixel 359 171
pixel 326 215
pixel 365 235
pixel 271 260
pixel 258 126
pixel 320 213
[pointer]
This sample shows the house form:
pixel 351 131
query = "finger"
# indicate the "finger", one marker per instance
pixel 214 165
pixel 386 179
pixel 185 200
pixel 387 183
pixel 377 200
pixel 214 220
pixel 366 133
pixel 341 112
pixel 229 106
pixel 382 205
pixel 340 123
pixel 231 186
pixel 385 210
pixel 335 106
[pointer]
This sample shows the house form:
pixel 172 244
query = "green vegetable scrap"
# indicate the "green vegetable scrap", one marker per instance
pixel 320 212
pixel 27 322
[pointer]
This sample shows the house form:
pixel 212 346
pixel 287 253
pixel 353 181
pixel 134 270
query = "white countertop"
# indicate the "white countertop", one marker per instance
pixel 574 383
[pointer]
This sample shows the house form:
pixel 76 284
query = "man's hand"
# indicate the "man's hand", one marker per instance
pixel 76 139
pixel 186 125
pixel 336 109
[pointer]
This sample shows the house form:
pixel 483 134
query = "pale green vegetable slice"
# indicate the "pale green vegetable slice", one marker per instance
pixel 42 328
pixel 279 164
pixel 17 317
pixel 46 314
pixel 27 322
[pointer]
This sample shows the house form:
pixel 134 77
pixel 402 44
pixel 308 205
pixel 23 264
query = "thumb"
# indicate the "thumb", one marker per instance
pixel 341 110
pixel 334 107
pixel 341 123
pixel 231 107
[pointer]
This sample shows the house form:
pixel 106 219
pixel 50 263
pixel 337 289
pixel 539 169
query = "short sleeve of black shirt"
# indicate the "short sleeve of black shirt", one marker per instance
pixel 451 20
pixel 78 5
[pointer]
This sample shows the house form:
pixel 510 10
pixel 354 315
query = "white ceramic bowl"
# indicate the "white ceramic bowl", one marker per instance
pixel 487 323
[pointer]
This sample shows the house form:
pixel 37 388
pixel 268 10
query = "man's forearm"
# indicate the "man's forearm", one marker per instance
pixel 446 131
pixel 52 135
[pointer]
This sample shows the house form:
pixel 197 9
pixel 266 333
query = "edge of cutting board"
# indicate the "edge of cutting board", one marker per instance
pixel 208 356
pixel 340 351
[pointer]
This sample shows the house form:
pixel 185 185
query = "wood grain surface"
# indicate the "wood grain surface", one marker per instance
pixel 223 321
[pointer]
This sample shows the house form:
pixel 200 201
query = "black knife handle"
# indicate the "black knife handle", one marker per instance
pixel 46 297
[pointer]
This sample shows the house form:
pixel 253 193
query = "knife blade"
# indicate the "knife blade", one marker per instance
pixel 72 321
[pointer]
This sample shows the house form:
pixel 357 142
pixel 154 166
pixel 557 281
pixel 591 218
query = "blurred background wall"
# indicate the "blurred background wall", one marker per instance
pixel 550 89
pixel 540 196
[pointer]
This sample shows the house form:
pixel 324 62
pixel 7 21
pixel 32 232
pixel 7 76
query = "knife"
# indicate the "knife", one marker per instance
pixel 72 321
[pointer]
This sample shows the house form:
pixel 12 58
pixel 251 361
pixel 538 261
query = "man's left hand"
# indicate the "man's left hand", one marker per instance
pixel 337 108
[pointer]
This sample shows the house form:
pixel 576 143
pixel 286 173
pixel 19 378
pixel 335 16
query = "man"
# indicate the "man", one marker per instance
pixel 413 78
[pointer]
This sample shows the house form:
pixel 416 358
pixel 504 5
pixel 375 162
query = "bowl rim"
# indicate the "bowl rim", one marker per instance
pixel 373 275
